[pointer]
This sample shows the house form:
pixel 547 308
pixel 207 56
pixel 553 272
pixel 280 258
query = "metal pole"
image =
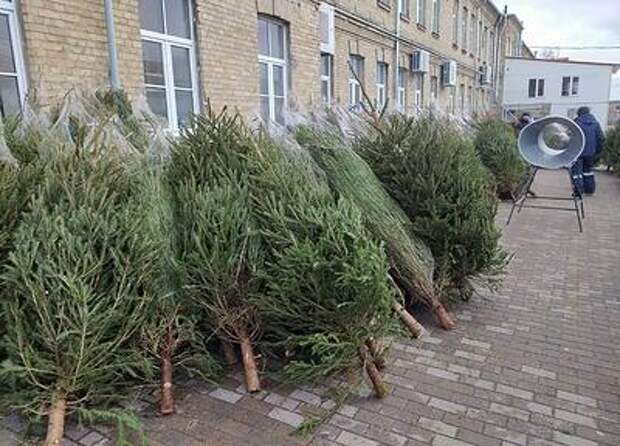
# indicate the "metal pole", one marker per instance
pixel 115 81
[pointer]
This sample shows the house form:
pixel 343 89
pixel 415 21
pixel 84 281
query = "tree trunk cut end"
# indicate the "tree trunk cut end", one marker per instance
pixel 445 320
pixel 56 420
pixel 252 381
pixel 166 405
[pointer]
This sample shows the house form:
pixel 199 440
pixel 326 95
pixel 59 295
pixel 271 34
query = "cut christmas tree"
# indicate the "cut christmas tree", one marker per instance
pixel 353 179
pixel 326 291
pixel 72 301
pixel 219 241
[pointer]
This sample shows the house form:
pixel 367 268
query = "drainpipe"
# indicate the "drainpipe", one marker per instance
pixel 115 81
pixel 500 32
pixel 397 64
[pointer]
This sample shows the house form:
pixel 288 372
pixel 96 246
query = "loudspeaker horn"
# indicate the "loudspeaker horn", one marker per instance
pixel 553 142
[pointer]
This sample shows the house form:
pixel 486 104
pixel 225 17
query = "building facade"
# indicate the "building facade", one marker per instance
pixel 547 86
pixel 262 57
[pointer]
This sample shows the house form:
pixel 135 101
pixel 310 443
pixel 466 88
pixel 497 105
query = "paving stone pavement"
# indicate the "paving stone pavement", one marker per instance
pixel 536 364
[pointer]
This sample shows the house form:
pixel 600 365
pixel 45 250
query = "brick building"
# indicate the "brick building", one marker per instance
pixel 259 56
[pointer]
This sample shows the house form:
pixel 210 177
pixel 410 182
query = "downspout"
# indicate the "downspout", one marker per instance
pixel 115 82
pixel 397 62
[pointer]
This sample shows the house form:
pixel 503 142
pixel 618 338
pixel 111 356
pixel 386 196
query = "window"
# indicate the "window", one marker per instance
pixel 456 7
pixel 464 28
pixel 326 78
pixel 169 60
pixel 491 57
pixel 355 77
pixel 435 18
pixel 421 12
pixel 403 7
pixel 575 88
pixel 541 87
pixel 403 75
pixel 485 43
pixel 479 38
pixel 434 86
pixel 272 69
pixel 536 88
pixel 419 89
pixel 12 79
pixel 472 34
pixel 565 85
pixel 570 86
pixel 382 76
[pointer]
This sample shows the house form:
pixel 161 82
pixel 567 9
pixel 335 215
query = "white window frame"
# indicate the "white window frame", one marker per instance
pixel 10 10
pixel 327 78
pixel 403 77
pixel 419 90
pixel 355 87
pixel 456 21
pixel 571 86
pixel 538 83
pixel 465 28
pixel 168 41
pixel 420 15
pixel 435 16
pixel 271 63
pixel 404 8
pixel 381 98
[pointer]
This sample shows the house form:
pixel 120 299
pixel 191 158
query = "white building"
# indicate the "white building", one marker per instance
pixel 559 87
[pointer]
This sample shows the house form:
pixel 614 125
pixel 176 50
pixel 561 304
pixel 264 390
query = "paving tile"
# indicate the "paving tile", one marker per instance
pixel 286 416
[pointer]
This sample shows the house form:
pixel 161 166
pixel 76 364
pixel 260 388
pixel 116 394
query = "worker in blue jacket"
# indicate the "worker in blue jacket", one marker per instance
pixel 583 174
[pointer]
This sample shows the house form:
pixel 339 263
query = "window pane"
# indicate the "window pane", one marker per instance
pixel 264 108
pixel 177 18
pixel 325 65
pixel 9 96
pixel 541 87
pixel 151 15
pixel 278 80
pixel 575 89
pixel 279 103
pixel 7 63
pixel 263 38
pixel 264 78
pixel 532 88
pixel 181 67
pixel 185 107
pixel 276 40
pixel 153 63
pixel 156 99
pixel 325 91
pixel 565 85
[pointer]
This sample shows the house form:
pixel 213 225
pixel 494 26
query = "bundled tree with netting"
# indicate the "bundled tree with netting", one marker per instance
pixel 169 334
pixel 72 298
pixel 350 177
pixel 497 148
pixel 326 298
pixel 433 172
pixel 219 243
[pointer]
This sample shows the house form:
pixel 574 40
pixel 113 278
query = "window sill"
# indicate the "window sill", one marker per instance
pixel 384 6
pixel 464 51
pixel 405 18
pixel 435 34
pixel 455 46
pixel 421 27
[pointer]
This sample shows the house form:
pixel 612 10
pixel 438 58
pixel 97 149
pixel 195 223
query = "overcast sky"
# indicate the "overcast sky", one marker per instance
pixel 572 23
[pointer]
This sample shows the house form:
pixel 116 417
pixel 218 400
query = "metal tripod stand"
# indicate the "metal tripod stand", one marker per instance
pixel 576 198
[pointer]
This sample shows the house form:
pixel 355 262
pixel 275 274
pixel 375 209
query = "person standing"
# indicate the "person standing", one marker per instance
pixel 594 138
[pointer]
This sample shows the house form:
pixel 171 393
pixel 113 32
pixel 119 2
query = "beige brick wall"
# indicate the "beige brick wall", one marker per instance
pixel 66 46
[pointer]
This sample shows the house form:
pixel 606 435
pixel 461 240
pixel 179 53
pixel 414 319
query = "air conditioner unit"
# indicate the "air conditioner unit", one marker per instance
pixel 448 73
pixel 327 28
pixel 420 61
pixel 486 76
